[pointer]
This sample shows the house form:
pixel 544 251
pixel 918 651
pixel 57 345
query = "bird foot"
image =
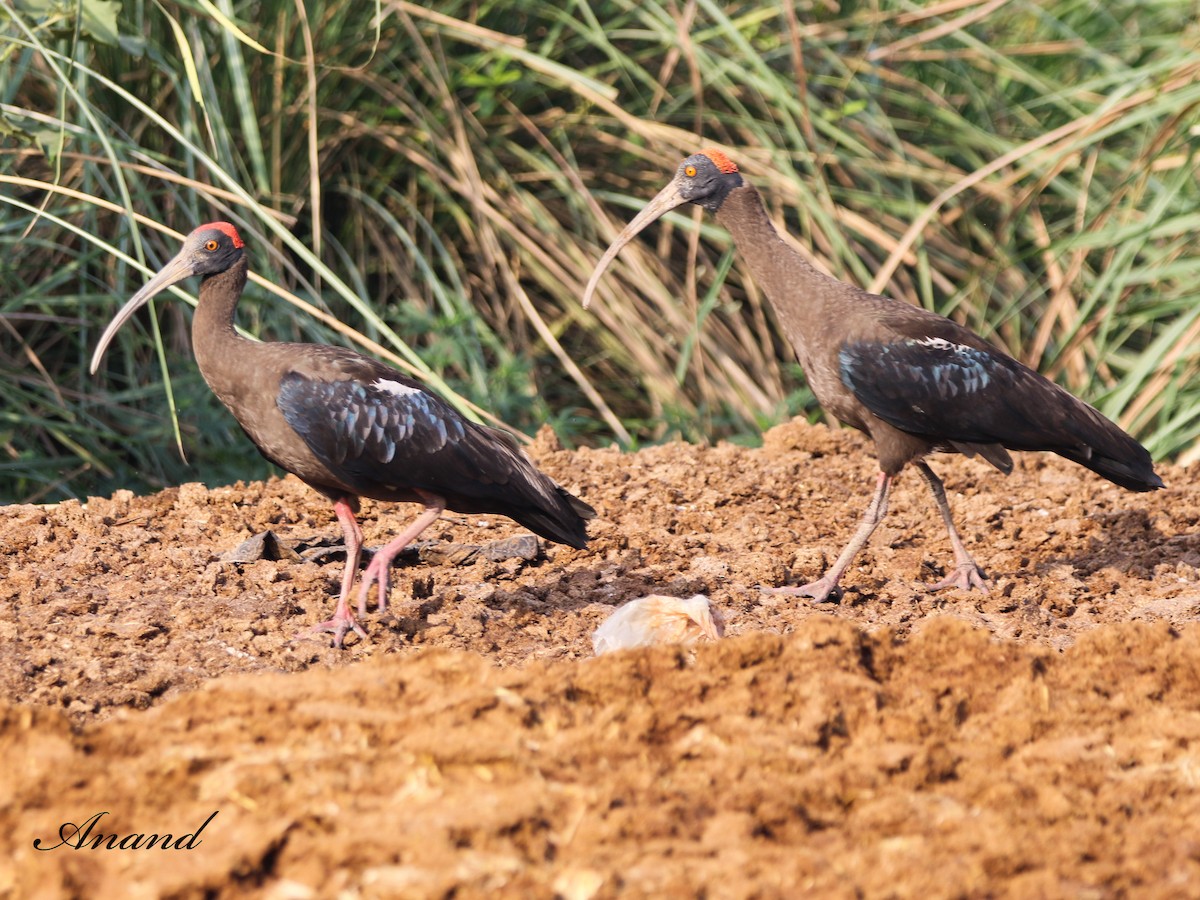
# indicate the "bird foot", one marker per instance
pixel 337 626
pixel 964 577
pixel 822 590
pixel 375 574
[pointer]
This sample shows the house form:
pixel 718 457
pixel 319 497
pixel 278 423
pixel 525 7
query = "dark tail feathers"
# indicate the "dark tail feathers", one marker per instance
pixel 1133 471
pixel 564 521
pixel 1108 451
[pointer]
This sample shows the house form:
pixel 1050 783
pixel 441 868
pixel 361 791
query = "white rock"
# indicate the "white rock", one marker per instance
pixel 658 619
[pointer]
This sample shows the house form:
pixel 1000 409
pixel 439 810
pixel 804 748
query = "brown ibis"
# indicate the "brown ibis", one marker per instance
pixel 352 427
pixel 914 381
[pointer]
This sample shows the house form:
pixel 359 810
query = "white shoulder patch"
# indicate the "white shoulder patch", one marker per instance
pixel 395 387
pixel 938 343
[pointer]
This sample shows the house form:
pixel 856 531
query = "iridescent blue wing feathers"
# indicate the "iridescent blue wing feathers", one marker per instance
pixel 972 397
pixel 388 435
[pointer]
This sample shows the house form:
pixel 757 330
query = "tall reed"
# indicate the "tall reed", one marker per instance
pixel 433 184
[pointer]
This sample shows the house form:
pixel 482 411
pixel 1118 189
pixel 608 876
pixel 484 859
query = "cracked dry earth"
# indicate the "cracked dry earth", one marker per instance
pixel 1040 740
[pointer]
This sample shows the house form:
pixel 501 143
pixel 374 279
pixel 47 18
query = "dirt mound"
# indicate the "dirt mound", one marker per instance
pixel 1037 740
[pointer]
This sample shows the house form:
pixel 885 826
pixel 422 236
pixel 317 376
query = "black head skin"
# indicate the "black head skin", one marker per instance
pixel 704 178
pixel 212 248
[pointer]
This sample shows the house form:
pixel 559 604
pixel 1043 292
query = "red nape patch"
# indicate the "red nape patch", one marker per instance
pixel 226 229
pixel 720 160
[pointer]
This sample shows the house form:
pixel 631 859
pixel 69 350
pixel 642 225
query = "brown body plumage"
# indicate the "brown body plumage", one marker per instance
pixel 352 427
pixel 915 381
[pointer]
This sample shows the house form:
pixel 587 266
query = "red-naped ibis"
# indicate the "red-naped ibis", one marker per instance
pixel 915 381
pixel 352 427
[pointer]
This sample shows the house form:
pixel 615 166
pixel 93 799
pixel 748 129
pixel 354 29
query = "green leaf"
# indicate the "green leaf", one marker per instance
pixel 98 20
pixel 51 141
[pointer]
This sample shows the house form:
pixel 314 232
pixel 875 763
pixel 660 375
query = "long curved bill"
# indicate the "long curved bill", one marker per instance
pixel 175 271
pixel 668 198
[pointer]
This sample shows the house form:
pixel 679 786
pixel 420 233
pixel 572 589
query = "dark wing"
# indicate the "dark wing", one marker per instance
pixel 931 387
pixel 956 393
pixel 386 435
pixel 368 429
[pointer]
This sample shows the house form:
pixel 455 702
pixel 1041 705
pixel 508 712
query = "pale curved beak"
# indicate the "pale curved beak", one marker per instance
pixel 175 271
pixel 668 198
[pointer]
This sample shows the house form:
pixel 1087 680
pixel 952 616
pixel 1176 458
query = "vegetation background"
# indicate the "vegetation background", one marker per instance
pixel 434 183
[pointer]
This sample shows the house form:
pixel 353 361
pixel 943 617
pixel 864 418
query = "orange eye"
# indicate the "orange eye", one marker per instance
pixel 211 245
pixel 690 171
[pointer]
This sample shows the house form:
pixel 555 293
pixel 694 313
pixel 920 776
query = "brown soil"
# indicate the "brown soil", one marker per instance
pixel 1040 740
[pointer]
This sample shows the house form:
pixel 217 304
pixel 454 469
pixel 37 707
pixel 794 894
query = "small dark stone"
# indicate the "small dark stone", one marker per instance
pixel 263 545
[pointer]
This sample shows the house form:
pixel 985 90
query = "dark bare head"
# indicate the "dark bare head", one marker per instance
pixel 704 178
pixel 208 250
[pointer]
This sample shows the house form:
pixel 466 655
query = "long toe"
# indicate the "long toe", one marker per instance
pixel 337 626
pixel 373 574
pixel 821 590
pixel 964 577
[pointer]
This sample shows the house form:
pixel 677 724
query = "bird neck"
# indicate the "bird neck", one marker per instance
pixel 216 344
pixel 776 266
pixel 798 292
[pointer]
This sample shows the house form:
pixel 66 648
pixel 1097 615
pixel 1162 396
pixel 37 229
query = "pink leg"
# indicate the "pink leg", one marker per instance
pixel 966 574
pixel 377 568
pixel 827 584
pixel 343 620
